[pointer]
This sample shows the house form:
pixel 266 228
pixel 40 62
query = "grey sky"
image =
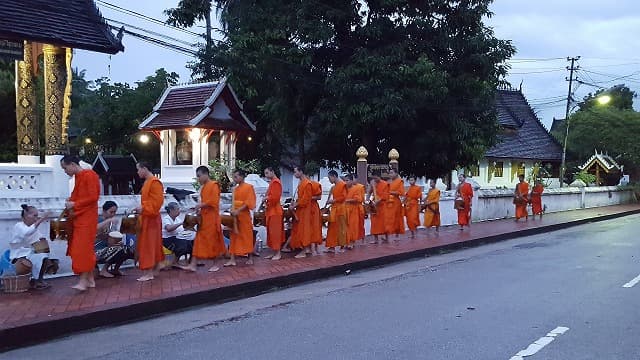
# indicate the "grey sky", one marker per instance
pixel 604 35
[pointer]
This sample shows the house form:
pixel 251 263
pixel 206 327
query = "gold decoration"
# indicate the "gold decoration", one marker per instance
pixel 54 73
pixel 394 155
pixel 362 153
pixel 66 100
pixel 27 128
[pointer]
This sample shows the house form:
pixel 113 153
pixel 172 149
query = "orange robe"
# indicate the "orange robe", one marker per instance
pixel 536 199
pixel 302 228
pixel 354 207
pixel 361 231
pixel 432 211
pixel 242 241
pixel 412 206
pixel 395 211
pixel 149 240
pixel 316 216
pixel 85 195
pixel 464 215
pixel 209 243
pixel 521 209
pixel 337 232
pixel 273 215
pixel 378 226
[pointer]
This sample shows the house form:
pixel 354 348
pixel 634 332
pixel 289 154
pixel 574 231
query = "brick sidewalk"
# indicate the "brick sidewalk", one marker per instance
pixel 61 310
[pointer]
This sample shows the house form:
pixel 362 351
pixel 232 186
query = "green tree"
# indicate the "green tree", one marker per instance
pixel 621 98
pixel 8 141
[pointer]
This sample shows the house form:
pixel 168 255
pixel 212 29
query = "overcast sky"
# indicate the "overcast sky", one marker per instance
pixel 545 33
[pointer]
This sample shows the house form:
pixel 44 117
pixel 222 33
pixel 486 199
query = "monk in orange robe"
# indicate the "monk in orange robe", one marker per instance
pixel 149 240
pixel 274 214
pixel 244 200
pixel 521 198
pixel 536 199
pixel 432 207
pixel 379 189
pixel 316 216
pixel 464 191
pixel 362 190
pixel 303 223
pixel 412 202
pixel 337 232
pixel 395 211
pixel 83 205
pixel 355 197
pixel 208 243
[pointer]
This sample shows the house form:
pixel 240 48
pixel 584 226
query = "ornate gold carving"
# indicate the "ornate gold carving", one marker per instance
pixel 66 101
pixel 393 156
pixel 27 128
pixel 362 153
pixel 54 72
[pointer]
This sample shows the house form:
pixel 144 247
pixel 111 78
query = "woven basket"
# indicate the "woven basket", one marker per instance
pixel 16 284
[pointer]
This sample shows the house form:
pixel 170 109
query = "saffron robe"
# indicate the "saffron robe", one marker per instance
pixel 432 211
pixel 355 210
pixel 273 215
pixel 302 228
pixel 337 232
pixel 209 243
pixel 536 199
pixel 361 230
pixel 412 206
pixel 522 189
pixel 149 240
pixel 378 219
pixel 84 223
pixel 466 192
pixel 242 241
pixel 316 234
pixel 395 211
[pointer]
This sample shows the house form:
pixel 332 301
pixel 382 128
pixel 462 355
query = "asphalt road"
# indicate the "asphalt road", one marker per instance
pixel 489 302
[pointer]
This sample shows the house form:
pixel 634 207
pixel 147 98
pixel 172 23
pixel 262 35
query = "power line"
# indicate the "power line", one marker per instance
pixel 145 17
pixel 152 32
pixel 159 42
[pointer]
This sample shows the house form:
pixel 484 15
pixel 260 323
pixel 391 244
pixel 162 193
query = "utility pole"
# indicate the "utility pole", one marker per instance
pixel 571 69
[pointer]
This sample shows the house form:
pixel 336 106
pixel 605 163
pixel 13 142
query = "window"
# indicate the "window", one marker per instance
pixel 474 170
pixel 521 169
pixel 499 168
pixel 182 149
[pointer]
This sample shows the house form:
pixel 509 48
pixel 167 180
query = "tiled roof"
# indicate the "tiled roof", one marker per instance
pixel 524 137
pixel 67 23
pixel 206 106
pixel 115 164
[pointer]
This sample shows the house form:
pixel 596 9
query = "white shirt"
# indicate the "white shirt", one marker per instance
pixel 22 238
pixel 167 220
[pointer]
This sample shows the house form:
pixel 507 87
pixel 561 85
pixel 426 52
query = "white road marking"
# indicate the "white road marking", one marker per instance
pixel 540 343
pixel 632 282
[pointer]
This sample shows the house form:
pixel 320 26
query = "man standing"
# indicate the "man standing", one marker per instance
pixel 464 192
pixel 521 198
pixel 355 210
pixel 412 206
pixel 395 214
pixel 379 189
pixel 432 207
pixel 337 232
pixel 316 216
pixel 208 243
pixel 83 207
pixel 536 199
pixel 244 200
pixel 302 224
pixel 149 241
pixel 273 214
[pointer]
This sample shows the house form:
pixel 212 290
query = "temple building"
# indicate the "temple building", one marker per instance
pixel 604 167
pixel 196 123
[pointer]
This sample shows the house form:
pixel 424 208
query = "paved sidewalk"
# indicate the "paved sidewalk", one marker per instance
pixel 61 310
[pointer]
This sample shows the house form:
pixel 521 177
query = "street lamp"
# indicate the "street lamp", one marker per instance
pixel 144 139
pixel 603 99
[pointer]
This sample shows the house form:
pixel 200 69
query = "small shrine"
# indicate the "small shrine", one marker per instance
pixel 604 167
pixel 118 174
pixel 196 123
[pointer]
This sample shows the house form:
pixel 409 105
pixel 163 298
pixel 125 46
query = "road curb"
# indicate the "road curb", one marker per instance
pixel 15 337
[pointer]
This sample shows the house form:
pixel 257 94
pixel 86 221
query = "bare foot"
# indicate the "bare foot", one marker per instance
pixel 301 255
pixel 91 283
pixel 106 274
pixel 145 277
pixel 276 257
pixel 213 269
pixel 230 263
pixel 249 262
pixel 191 268
pixel 329 251
pixel 373 242
pixel 81 286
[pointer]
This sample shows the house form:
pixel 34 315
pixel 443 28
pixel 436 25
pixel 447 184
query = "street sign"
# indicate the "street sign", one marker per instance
pixel 11 50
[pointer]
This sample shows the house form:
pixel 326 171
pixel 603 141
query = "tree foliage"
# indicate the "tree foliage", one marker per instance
pixel 8 142
pixel 323 77
pixel 621 98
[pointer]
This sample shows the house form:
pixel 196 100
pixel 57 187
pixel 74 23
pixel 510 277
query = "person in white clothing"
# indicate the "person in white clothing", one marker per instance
pixel 25 234
pixel 174 236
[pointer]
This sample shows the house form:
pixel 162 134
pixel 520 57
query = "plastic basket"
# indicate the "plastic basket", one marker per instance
pixel 16 284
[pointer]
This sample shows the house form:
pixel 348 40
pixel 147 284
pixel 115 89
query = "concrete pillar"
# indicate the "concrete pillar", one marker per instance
pixel 393 159
pixel 361 165
pixel 26 120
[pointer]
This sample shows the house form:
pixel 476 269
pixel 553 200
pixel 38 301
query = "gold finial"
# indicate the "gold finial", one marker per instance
pixel 394 155
pixel 362 153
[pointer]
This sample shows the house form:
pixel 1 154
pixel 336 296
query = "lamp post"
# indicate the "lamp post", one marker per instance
pixel 602 100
